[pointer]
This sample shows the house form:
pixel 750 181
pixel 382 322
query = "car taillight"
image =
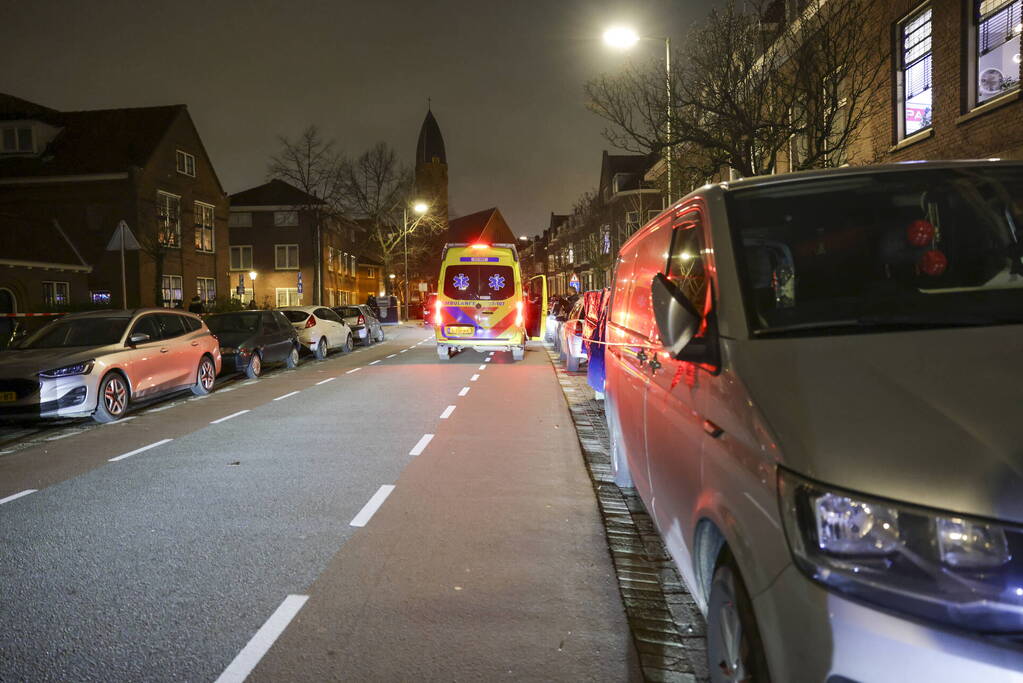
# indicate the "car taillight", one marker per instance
pixel 361 320
pixel 518 313
pixel 310 322
pixel 436 313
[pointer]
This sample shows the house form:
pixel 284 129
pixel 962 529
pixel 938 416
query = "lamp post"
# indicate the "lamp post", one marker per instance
pixel 624 38
pixel 420 208
pixel 252 277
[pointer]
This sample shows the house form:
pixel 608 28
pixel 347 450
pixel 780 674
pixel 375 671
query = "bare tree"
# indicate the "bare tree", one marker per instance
pixel 747 92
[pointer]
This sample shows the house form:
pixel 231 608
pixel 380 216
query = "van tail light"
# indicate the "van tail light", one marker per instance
pixel 436 313
pixel 361 320
pixel 518 313
pixel 310 321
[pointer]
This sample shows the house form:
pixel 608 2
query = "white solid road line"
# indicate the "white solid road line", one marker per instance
pixel 15 496
pixel 324 381
pixel 447 412
pixel 464 391
pixel 392 355
pixel 474 378
pixel 139 450
pixel 353 370
pixel 421 444
pixel 281 398
pixel 372 506
pixel 225 419
pixel 374 362
pixel 122 420
pixel 242 665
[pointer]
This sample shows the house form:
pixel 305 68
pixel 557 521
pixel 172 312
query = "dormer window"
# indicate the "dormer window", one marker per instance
pixel 17 140
pixel 186 163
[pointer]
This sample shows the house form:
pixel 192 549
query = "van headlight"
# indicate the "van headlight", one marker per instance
pixel 944 567
pixel 68 370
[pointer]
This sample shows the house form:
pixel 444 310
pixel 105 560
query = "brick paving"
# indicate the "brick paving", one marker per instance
pixel 667 626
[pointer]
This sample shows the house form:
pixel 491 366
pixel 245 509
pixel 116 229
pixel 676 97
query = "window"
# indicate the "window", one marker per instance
pixel 685 267
pixel 288 296
pixel 170 287
pixel 286 256
pixel 186 163
pixel 56 293
pixel 330 259
pixel 17 139
pixel 170 325
pixel 206 287
pixel 168 216
pixel 100 297
pixel 240 219
pixel 285 218
pixel 203 227
pixel 915 78
pixel 605 239
pixel 631 221
pixel 999 25
pixel 241 257
pixel 475 282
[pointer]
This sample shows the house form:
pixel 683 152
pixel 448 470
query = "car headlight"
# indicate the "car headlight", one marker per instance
pixel 68 370
pixel 930 564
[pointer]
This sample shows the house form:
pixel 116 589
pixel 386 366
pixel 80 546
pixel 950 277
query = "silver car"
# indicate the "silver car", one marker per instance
pixel 98 363
pixel 365 326
pixel 813 381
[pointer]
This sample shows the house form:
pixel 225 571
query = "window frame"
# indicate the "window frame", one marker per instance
pixel 168 302
pixel 281 216
pixel 50 292
pixel 287 291
pixel 241 251
pixel 234 219
pixel 17 130
pixel 163 219
pixel 208 294
pixel 183 168
pixel 201 228
pixel 277 261
pixel 902 67
pixel 975 23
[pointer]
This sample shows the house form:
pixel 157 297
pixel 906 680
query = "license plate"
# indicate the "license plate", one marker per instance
pixel 8 397
pixel 461 330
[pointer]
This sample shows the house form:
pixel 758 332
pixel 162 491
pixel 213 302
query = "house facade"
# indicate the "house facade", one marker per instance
pixel 90 170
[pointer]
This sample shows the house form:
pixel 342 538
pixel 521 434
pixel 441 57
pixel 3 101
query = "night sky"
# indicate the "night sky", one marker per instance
pixel 505 78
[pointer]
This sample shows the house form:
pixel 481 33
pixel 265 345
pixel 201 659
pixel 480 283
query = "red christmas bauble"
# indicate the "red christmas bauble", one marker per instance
pixel 933 263
pixel 920 233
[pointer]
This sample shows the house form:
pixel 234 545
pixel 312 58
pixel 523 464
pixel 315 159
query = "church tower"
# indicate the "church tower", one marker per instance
pixel 432 168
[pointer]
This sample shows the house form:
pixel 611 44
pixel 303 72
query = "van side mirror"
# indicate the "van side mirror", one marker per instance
pixel 677 319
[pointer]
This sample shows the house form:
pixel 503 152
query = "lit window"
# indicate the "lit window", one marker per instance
pixel 916 83
pixel 168 217
pixel 170 288
pixel 999 25
pixel 101 297
pixel 288 296
pixel 203 227
pixel 241 257
pixel 185 163
pixel 206 287
pixel 286 256
pixel 56 293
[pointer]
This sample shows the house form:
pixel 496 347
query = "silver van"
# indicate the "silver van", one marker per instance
pixel 815 383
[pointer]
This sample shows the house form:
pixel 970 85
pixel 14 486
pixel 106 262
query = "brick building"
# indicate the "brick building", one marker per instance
pixel 88 170
pixel 40 274
pixel 283 235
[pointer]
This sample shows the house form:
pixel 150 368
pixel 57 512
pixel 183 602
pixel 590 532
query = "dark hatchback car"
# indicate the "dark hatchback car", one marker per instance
pixel 250 339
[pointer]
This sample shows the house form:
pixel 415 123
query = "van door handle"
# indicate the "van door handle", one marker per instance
pixel 712 429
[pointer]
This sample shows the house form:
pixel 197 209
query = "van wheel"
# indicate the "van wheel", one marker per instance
pixel 292 360
pixel 321 349
pixel 518 353
pixel 735 651
pixel 255 368
pixel 113 399
pixel 204 377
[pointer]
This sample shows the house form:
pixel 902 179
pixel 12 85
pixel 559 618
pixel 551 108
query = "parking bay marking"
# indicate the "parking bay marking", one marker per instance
pixel 372 506
pixel 15 496
pixel 225 419
pixel 288 395
pixel 324 381
pixel 140 450
pixel 421 444
pixel 447 412
pixel 246 660
pixel 464 391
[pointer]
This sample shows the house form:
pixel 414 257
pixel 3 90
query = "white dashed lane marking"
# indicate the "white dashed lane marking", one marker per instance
pixel 421 444
pixel 483 367
pixel 16 496
pixel 289 394
pixel 353 370
pixel 324 381
pixel 447 412
pixel 464 391
pixel 140 450
pixel 374 362
pixel 372 506
pixel 392 355
pixel 474 378
pixel 225 419
pixel 242 665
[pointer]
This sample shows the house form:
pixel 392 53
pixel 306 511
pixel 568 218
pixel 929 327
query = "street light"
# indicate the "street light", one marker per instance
pixel 420 207
pixel 252 276
pixel 625 38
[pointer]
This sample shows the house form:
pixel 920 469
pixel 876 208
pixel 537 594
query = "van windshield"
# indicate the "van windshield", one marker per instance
pixel 895 250
pixel 479 282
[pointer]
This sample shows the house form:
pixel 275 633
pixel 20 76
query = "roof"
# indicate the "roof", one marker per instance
pixel 47 245
pixel 483 226
pixel 431 143
pixel 634 165
pixel 98 141
pixel 274 193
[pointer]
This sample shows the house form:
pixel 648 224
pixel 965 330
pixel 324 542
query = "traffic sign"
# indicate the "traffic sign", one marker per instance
pixel 300 282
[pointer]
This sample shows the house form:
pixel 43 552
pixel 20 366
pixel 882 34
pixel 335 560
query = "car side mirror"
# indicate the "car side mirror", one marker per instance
pixel 677 319
pixel 138 338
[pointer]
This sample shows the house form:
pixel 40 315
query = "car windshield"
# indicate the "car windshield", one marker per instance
pixel 479 282
pixel 233 322
pixel 68 332
pixel 915 248
pixel 295 316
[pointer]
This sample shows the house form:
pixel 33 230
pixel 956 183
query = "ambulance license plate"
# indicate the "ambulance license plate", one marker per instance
pixel 461 330
pixel 8 397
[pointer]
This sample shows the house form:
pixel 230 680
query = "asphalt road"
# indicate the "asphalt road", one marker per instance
pixel 380 515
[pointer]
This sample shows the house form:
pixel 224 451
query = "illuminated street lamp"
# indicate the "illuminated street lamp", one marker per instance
pixel 419 207
pixel 625 38
pixel 252 276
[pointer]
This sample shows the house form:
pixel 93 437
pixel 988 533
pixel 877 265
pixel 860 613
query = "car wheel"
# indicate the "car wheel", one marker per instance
pixel 380 335
pixel 572 362
pixel 735 651
pixel 255 368
pixel 204 377
pixel 321 349
pixel 113 398
pixel 518 353
pixel 292 360
pixel 369 337
pixel 348 345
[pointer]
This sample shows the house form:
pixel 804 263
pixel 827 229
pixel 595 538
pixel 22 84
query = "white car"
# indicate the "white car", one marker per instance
pixel 320 329
pixel 572 351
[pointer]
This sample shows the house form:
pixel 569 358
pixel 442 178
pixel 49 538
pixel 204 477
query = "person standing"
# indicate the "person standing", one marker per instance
pixel 196 306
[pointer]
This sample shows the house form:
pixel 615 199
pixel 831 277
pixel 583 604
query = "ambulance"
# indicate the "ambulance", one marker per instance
pixel 482 302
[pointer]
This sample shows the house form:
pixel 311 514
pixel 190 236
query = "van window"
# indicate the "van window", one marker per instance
pixel 651 259
pixel 620 290
pixel 479 282
pixel 685 265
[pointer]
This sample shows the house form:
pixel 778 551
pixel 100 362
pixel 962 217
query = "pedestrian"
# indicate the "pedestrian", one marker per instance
pixel 196 305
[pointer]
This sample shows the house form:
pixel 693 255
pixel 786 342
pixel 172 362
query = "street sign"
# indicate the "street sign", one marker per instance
pixel 123 238
pixel 424 287
pixel 574 281
pixel 300 282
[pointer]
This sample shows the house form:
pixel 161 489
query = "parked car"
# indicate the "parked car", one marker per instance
pixel 571 338
pixel 557 313
pixel 251 339
pixel 365 326
pixel 820 388
pixel 99 363
pixel 320 329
